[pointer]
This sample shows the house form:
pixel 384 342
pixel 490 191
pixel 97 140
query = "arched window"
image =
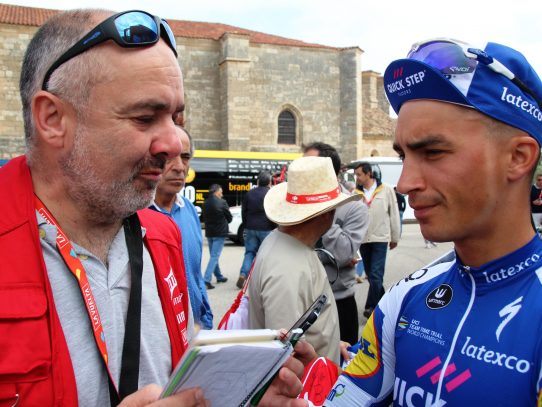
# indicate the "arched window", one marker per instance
pixel 287 127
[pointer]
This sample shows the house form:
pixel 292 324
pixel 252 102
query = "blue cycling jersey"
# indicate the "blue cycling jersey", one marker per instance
pixel 451 335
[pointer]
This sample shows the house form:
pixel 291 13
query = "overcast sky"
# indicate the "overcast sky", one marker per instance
pixel 383 29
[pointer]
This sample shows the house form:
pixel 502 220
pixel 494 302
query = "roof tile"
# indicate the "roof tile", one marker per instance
pixel 20 15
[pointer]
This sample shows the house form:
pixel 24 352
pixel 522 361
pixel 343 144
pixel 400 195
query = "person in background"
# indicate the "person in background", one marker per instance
pixel 288 276
pixel 342 240
pixel 94 303
pixel 257 226
pixel 170 202
pixel 401 204
pixel 216 215
pixel 384 229
pixel 429 244
pixel 536 201
pixel 467 331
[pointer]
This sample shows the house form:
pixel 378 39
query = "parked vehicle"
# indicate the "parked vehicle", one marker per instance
pixel 236 227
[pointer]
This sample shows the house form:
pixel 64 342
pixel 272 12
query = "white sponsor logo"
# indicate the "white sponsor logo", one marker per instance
pixel 171 282
pixel 415 329
pixel 440 293
pixel 510 271
pixel 494 358
pixel 410 396
pixel 524 105
pixel 407 82
pixel 510 312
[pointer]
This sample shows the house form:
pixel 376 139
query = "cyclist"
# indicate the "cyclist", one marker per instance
pixel 466 331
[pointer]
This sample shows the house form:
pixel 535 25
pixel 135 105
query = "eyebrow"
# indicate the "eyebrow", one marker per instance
pixel 428 141
pixel 148 105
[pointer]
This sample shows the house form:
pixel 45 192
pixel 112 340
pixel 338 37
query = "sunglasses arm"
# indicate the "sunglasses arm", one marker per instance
pixel 490 62
pixel 93 38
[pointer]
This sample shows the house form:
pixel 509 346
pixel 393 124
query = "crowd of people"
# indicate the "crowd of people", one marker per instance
pixel 101 280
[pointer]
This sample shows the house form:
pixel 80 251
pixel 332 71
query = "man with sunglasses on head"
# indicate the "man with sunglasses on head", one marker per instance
pixel 466 331
pixel 93 296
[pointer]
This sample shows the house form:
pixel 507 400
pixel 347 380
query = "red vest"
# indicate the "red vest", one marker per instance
pixel 34 357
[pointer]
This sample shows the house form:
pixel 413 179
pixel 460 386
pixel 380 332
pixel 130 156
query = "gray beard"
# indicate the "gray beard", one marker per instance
pixel 105 203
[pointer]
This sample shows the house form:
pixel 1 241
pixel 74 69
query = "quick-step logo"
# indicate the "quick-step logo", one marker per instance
pixel 405 395
pixel 401 85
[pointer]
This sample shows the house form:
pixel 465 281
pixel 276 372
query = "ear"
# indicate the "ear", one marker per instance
pixel 524 155
pixel 53 118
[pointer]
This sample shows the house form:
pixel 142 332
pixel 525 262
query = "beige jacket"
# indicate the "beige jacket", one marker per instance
pixel 286 279
pixel 384 220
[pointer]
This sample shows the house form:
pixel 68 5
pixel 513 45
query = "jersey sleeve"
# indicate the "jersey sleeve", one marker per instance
pixel 368 379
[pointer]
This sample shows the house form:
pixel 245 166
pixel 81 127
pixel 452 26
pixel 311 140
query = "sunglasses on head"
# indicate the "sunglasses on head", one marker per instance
pixel 454 58
pixel 128 29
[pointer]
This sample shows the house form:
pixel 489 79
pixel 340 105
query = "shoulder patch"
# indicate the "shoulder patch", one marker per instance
pixel 439 297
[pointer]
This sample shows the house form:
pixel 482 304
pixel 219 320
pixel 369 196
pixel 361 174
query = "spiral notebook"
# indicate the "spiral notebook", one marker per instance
pixel 230 366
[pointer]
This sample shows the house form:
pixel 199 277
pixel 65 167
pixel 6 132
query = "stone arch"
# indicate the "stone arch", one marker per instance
pixel 288 125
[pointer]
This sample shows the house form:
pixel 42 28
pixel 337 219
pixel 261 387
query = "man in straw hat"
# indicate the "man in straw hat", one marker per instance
pixel 342 240
pixel 287 275
pixel 467 331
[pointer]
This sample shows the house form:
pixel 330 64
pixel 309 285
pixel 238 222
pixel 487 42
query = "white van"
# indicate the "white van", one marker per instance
pixel 388 170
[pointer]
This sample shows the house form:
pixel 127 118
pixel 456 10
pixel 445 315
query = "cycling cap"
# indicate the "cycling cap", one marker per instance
pixel 496 80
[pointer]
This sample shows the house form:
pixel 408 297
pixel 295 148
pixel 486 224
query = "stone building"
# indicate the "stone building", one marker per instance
pixel 244 90
pixel 378 127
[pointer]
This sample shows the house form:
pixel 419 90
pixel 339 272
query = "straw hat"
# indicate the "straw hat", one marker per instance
pixel 311 190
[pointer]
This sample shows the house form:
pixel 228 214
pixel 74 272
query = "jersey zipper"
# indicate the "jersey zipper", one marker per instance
pixel 466 270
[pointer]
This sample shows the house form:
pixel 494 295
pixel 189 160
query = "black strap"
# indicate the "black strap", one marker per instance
pixel 129 372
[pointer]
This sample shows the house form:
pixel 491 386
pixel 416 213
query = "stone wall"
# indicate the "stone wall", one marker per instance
pixel 378 126
pixel 13 42
pixel 235 91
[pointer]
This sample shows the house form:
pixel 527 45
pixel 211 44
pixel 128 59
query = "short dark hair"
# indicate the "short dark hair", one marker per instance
pixel 366 168
pixel 264 178
pixel 325 150
pixel 191 140
pixel 213 188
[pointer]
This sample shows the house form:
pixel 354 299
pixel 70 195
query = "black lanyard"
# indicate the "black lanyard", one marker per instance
pixel 129 372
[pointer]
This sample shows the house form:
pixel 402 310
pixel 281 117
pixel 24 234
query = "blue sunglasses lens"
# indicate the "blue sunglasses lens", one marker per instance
pixel 137 28
pixel 170 34
pixel 447 57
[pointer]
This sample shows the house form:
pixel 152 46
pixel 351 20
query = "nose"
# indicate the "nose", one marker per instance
pixel 177 164
pixel 166 141
pixel 411 178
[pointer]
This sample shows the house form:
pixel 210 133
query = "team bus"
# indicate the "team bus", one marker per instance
pixel 235 171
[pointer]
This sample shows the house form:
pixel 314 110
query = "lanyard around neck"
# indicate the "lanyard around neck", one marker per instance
pixel 129 374
pixel 370 200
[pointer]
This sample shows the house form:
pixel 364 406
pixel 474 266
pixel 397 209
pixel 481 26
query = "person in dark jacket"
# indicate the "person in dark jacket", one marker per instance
pixel 216 215
pixel 401 204
pixel 257 225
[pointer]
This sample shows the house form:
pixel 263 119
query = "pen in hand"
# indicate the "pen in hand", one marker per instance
pixel 293 338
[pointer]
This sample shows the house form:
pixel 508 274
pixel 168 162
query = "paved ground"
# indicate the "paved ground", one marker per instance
pixel 409 256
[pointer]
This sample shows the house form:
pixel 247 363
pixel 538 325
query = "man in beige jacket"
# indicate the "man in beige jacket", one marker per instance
pixel 384 227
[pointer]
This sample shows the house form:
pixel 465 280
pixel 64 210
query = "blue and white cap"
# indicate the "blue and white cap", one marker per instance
pixel 497 81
